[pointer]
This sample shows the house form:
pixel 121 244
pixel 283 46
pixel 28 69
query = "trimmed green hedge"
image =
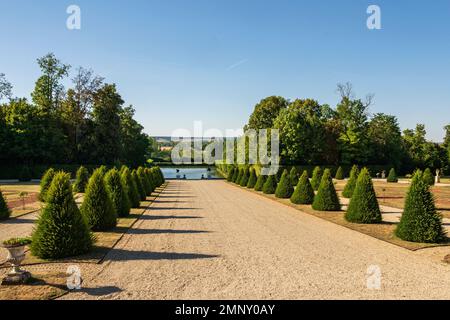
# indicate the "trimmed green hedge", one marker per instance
pixel 304 192
pixel 363 207
pixel 326 198
pixel 61 230
pixel 284 189
pixel 420 221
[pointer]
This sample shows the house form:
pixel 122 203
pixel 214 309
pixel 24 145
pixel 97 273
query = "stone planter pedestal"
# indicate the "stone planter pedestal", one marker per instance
pixel 16 254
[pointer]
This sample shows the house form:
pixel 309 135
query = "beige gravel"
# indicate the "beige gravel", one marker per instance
pixel 212 240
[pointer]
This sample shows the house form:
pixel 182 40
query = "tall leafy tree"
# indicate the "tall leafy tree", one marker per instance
pixel 302 132
pixel 134 142
pixel 107 107
pixel 385 140
pixel 49 91
pixel 266 111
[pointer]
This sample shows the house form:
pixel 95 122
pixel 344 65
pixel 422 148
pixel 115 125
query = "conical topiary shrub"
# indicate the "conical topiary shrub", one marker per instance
pixel 61 231
pixel 420 222
pixel 239 176
pixel 144 181
pixel 326 198
pixel 340 174
pixel 133 193
pixel 230 174
pixel 139 186
pixel 351 183
pixel 4 210
pixel 97 207
pixel 260 183
pixel 235 175
pixel 293 175
pixel 392 177
pixel 244 178
pixel 252 179
pixel 304 192
pixel 363 207
pixel 284 188
pixel 81 180
pixel 102 170
pixel 117 193
pixel 151 181
pixel 428 177
pixel 270 185
pixel 157 182
pixel 46 181
pixel 316 178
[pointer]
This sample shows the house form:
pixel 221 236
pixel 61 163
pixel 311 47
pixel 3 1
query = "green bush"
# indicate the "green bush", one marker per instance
pixel 239 176
pixel 284 188
pixel 61 230
pixel 4 210
pixel 102 170
pixel 133 193
pixel 392 177
pixel 316 178
pixel 235 175
pixel 117 193
pixel 340 174
pixel 363 207
pixel 150 179
pixel 326 198
pixel 420 222
pixel 260 183
pixel 97 207
pixel 155 178
pixel 428 177
pixel 252 180
pixel 46 181
pixel 81 180
pixel 304 192
pixel 244 179
pixel 351 183
pixel 294 176
pixel 144 181
pixel 230 175
pixel 270 185
pixel 139 186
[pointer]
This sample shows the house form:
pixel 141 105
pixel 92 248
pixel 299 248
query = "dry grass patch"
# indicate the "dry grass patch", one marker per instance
pixel 40 287
pixel 105 241
pixel 383 231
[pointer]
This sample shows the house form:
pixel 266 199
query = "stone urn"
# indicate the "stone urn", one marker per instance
pixel 16 254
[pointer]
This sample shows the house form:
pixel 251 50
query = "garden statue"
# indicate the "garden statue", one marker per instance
pixel 383 174
pixel 438 176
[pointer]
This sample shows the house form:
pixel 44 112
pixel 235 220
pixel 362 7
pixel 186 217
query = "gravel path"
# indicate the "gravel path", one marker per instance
pixel 211 240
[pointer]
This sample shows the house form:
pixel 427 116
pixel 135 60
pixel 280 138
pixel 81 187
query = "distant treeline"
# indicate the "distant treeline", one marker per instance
pixel 316 134
pixel 86 124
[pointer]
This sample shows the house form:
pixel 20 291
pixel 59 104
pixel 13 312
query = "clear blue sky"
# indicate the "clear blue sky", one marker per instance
pixel 210 60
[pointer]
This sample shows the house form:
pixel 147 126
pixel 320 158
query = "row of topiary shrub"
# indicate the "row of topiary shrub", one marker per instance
pixel 420 221
pixel 64 230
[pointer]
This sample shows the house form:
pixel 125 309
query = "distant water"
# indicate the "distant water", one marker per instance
pixel 190 173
